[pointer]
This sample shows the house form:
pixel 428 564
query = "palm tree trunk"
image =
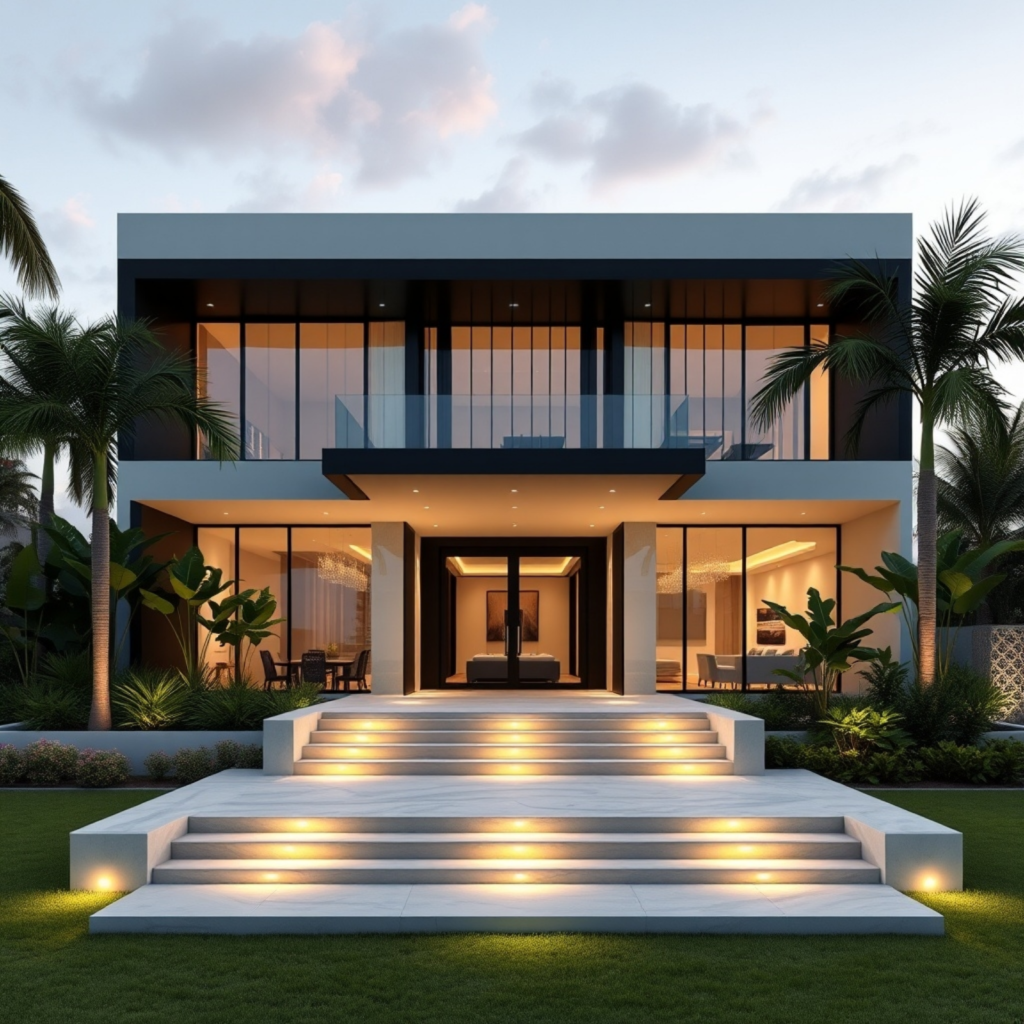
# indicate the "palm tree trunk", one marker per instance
pixel 99 715
pixel 927 535
pixel 43 542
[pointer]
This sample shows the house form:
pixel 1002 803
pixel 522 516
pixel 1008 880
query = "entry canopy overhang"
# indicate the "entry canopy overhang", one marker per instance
pixel 352 470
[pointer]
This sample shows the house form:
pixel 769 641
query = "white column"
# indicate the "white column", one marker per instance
pixel 639 607
pixel 387 608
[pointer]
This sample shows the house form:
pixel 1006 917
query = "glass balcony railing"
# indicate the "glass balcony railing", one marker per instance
pixel 540 422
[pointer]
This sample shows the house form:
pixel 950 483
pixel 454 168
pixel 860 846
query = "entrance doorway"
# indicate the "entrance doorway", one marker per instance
pixel 503 614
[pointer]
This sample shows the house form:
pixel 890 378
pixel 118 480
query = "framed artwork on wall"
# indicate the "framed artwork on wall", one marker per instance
pixel 529 607
pixel 771 632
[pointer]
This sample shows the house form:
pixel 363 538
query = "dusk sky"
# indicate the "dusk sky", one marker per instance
pixel 505 106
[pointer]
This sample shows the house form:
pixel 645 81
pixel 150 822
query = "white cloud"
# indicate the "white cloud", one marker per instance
pixel 69 227
pixel 270 192
pixel 629 133
pixel 836 191
pixel 509 194
pixel 389 101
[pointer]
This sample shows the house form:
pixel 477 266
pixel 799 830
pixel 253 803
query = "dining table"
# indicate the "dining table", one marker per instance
pixel 334 666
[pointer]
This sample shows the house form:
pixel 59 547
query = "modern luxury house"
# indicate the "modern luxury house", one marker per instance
pixel 517 450
pixel 513 458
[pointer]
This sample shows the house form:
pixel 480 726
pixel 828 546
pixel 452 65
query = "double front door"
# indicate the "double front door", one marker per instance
pixel 515 614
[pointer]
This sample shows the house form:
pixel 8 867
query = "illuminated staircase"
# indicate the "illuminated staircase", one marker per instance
pixel 488 744
pixel 563 850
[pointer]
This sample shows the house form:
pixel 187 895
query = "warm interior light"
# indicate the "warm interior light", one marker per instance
pixel 929 883
pixel 763 876
pixel 775 554
pixel 105 883
pixel 521 876
pixel 361 551
pixel 519 824
pixel 301 824
pixel 270 876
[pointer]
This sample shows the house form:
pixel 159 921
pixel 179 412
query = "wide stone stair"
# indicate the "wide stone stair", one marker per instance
pixel 564 850
pixel 487 744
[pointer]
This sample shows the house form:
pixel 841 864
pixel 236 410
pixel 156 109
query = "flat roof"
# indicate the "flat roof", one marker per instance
pixel 511 236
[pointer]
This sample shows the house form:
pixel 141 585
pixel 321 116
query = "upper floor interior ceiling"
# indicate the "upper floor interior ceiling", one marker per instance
pixel 502 302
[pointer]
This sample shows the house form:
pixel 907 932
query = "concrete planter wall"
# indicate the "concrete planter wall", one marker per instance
pixel 136 746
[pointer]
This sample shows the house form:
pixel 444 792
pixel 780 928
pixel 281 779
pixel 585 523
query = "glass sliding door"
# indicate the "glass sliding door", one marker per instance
pixel 713 611
pixel 669 657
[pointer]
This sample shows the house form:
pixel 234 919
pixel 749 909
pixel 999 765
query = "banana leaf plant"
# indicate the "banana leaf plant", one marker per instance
pixel 194 584
pixel 829 650
pixel 48 606
pixel 963 584
pixel 246 619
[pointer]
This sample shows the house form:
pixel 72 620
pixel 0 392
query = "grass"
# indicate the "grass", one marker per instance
pixel 51 970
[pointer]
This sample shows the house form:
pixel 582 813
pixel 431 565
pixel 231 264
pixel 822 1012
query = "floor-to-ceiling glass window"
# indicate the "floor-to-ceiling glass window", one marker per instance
pixel 714 606
pixel 785 438
pixel 263 565
pixel 330 587
pixel 269 391
pixel 219 362
pixel 715 631
pixel 670 595
pixel 782 563
pixel 385 355
pixel 219 550
pixel 331 385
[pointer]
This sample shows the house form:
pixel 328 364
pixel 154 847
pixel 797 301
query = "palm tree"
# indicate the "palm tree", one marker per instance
pixel 120 373
pixel 22 244
pixel 981 479
pixel 939 348
pixel 17 496
pixel 27 377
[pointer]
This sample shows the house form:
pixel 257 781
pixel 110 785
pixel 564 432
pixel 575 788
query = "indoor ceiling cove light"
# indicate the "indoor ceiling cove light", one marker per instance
pixel 343 570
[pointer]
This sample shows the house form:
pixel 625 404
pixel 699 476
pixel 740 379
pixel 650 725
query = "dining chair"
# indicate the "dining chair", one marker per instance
pixel 314 668
pixel 270 673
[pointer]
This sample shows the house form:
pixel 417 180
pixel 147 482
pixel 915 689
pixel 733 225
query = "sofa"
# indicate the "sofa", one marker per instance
pixel 493 668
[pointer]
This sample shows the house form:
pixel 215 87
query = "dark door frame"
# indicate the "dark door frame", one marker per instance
pixel 436 601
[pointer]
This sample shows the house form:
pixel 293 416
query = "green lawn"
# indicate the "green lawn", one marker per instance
pixel 51 970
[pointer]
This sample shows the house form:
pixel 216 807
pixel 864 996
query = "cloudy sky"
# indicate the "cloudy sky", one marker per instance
pixel 544 105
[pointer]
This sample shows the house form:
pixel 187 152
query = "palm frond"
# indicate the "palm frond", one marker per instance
pixel 22 244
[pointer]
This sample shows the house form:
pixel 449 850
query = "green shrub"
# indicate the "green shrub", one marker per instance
pixel 150 699
pixel 304 695
pixel 191 764
pixel 12 764
pixel 957 707
pixel 250 755
pixel 102 768
pixel 237 706
pixel 865 729
pixel 11 698
pixel 47 708
pixel 158 765
pixel 999 762
pixel 69 672
pixel 895 767
pixel 886 679
pixel 48 763
pixel 781 709
pixel 229 754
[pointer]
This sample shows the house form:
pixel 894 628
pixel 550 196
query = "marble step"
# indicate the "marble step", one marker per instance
pixel 565 824
pixel 525 751
pixel 491 846
pixel 343 733
pixel 513 766
pixel 270 909
pixel 556 723
pixel 425 871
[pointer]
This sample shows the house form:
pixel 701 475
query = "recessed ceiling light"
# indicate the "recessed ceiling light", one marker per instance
pixel 514 491
pixel 515 506
pixel 426 506
pixel 647 305
pixel 803 513
pixel 225 513
pixel 514 525
pixel 435 526
pixel 703 513
pixel 591 525
pixel 612 491
pixel 821 305
pixel 209 305
pixel 600 506
pixel 415 490
pixel 381 304
pixel 513 305
pixel 327 513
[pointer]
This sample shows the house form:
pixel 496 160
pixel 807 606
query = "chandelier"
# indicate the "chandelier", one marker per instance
pixel 671 582
pixel 343 570
pixel 705 564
